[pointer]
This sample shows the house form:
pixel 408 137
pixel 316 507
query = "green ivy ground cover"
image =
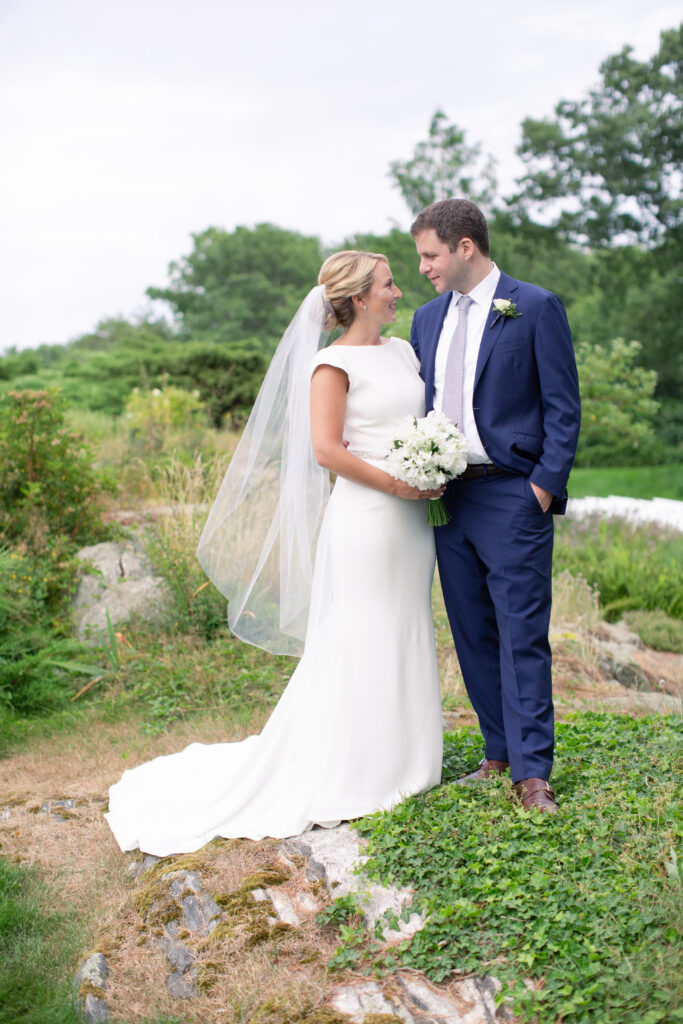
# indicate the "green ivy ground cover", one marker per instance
pixel 586 904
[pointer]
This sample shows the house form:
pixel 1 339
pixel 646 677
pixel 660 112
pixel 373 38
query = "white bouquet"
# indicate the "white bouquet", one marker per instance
pixel 428 453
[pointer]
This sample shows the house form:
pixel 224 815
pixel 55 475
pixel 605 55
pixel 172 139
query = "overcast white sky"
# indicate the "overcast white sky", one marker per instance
pixel 125 126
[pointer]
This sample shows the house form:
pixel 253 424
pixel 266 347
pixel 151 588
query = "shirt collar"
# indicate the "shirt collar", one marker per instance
pixel 482 293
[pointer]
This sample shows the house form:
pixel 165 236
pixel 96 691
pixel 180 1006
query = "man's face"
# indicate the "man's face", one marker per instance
pixel 445 269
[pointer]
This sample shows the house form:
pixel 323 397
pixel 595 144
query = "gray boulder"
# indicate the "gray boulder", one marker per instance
pixel 120 581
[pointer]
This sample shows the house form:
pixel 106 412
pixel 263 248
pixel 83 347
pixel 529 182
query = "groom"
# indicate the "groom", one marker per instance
pixel 496 356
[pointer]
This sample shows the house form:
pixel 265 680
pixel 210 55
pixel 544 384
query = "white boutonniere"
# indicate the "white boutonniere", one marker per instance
pixel 504 307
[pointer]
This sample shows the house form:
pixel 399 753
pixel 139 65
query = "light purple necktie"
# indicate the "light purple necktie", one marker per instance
pixel 455 365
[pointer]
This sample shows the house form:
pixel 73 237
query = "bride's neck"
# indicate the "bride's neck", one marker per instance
pixel 362 333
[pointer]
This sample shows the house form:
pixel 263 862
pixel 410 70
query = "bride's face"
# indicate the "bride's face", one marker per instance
pixel 383 295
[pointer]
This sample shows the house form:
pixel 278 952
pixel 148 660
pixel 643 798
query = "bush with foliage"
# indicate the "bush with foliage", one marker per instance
pixel 98 371
pixel 656 629
pixel 618 410
pixel 188 489
pixel 153 413
pixel 39 662
pixel 48 486
pixel 50 503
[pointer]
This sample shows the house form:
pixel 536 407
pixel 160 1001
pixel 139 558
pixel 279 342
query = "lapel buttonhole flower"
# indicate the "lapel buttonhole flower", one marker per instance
pixel 504 307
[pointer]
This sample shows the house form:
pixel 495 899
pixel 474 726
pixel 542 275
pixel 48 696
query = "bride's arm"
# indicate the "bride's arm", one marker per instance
pixel 329 385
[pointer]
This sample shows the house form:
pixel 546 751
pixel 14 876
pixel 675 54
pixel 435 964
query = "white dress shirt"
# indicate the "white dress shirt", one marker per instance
pixel 482 300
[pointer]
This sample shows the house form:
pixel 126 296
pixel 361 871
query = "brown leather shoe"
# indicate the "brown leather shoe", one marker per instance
pixel 536 794
pixel 486 770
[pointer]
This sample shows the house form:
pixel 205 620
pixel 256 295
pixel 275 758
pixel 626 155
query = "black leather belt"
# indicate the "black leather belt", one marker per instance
pixel 479 469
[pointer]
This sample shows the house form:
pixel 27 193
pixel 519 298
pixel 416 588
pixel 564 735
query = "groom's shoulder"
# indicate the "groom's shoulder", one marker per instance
pixel 531 292
pixel 434 306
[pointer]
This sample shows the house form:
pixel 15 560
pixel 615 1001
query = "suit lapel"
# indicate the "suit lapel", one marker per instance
pixel 493 328
pixel 433 333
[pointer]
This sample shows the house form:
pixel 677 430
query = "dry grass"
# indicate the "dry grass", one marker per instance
pixel 235 975
pixel 79 856
pixel 187 491
pixel 575 603
pixel 85 760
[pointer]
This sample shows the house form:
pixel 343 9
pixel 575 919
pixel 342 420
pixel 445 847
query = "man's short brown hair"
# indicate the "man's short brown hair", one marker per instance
pixel 453 220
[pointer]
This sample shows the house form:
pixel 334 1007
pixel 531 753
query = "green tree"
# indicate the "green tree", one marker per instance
pixel 538 253
pixel 611 162
pixel 631 294
pixel 99 370
pixel 246 283
pixel 617 406
pixel 442 166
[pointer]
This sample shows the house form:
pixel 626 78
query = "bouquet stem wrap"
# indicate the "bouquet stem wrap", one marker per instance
pixel 437 513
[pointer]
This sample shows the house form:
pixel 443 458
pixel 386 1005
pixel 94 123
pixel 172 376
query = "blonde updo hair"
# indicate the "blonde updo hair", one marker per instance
pixel 345 274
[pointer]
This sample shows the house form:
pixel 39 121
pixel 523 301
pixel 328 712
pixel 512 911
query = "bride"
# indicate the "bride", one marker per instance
pixel 358 727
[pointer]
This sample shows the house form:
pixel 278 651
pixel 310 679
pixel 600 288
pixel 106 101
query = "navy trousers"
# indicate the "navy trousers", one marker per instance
pixel 495 564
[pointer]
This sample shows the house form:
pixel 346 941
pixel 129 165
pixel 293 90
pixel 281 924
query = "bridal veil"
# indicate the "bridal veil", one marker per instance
pixel 258 545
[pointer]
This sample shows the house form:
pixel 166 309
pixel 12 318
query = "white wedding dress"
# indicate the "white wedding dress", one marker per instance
pixel 359 726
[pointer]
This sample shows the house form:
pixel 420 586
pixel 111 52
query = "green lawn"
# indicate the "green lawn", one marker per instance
pixel 628 482
pixel 39 945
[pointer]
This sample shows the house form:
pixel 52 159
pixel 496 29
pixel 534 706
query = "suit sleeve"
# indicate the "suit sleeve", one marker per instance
pixel 560 401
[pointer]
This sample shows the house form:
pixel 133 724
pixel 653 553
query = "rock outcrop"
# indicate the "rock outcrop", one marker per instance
pixel 117 581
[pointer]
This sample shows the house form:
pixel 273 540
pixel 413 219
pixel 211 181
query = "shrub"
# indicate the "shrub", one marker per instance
pixel 657 630
pixel 618 409
pixel 158 409
pixel 48 486
pixel 39 662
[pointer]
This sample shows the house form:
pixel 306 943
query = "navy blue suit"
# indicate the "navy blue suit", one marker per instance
pixel 495 556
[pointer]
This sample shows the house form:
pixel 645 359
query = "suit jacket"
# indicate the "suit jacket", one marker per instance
pixel 526 390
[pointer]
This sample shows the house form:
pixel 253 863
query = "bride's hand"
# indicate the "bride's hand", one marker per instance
pixel 403 490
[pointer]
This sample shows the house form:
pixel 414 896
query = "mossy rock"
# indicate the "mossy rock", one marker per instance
pixel 87 988
pixel 267 876
pixel 246 917
pixel 281 1011
pixel 327 1016
pixel 382 1018
pixel 154 903
pixel 109 939
pixel 153 887
pixel 207 975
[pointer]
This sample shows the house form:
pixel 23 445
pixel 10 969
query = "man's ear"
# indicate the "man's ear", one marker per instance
pixel 467 246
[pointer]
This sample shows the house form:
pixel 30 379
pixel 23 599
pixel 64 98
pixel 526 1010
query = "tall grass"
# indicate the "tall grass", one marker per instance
pixel 186 490
pixel 631 567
